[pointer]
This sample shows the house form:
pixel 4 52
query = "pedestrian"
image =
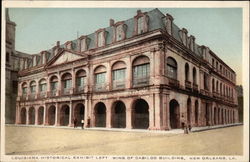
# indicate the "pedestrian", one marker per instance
pixel 75 122
pixel 185 128
pixel 189 127
pixel 82 122
pixel 88 122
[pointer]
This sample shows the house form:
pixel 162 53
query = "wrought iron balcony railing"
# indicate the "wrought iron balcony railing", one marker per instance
pixel 118 84
pixel 143 81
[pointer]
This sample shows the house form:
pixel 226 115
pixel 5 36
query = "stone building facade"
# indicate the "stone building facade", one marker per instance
pixel 142 73
pixel 12 64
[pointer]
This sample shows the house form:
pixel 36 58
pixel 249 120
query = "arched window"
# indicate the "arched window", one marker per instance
pixel 67 83
pixel 194 76
pixel 100 78
pixel 217 86
pixel 42 88
pixel 220 88
pixel 141 71
pixel 171 68
pixel 80 80
pixel 206 81
pixel 53 85
pixel 42 85
pixel 33 87
pixel 24 88
pixel 118 75
pixel 186 72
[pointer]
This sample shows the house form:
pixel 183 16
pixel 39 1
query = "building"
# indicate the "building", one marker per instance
pixel 12 63
pixel 142 73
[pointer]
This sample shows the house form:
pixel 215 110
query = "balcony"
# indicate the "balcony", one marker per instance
pixel 138 82
pixel 41 94
pixel 100 87
pixel 52 93
pixel 195 87
pixel 188 85
pixel 32 96
pixel 216 95
pixel 173 83
pixel 23 97
pixel 118 84
pixel 79 89
pixel 205 92
pixel 66 91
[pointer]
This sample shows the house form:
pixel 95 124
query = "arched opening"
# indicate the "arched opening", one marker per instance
pixel 196 112
pixel 64 115
pixel 220 88
pixel 141 71
pixel 189 112
pixel 40 115
pixel 67 83
pixel 100 78
pixel 186 72
pixel 100 115
pixel 233 117
pixel 118 115
pixel 53 85
pixel 174 114
pixel 24 90
pixel 23 116
pixel 171 70
pixel 217 86
pixel 207 114
pixel 194 76
pixel 140 114
pixel 51 115
pixel 118 75
pixel 223 116
pixel 215 115
pixel 79 113
pixel 32 115
pixel 80 80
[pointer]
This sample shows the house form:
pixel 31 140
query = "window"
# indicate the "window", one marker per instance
pixel 206 81
pixel 171 68
pixel 7 57
pixel 140 25
pixel 54 86
pixel 118 75
pixel 67 84
pixel 42 86
pixel 14 86
pixel 186 72
pixel 194 76
pixel 119 33
pixel 80 77
pixel 100 39
pixel 213 62
pixel 33 87
pixel 100 78
pixel 141 70
pixel 83 44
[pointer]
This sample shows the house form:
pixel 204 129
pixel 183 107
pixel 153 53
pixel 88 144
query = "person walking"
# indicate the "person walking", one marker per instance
pixel 75 122
pixel 82 122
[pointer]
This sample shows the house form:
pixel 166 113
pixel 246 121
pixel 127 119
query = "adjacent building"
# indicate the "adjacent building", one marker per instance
pixel 142 73
pixel 12 63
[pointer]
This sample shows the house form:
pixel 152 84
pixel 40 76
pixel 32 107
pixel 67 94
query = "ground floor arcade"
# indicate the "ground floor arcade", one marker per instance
pixel 152 111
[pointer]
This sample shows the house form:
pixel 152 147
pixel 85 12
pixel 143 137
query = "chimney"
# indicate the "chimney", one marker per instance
pixel 204 52
pixel 44 57
pixel 34 62
pixel 111 22
pixel 169 22
pixel 25 63
pixel 138 12
pixel 192 42
pixel 68 45
pixel 58 44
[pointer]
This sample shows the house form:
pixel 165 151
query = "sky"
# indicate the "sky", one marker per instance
pixel 220 29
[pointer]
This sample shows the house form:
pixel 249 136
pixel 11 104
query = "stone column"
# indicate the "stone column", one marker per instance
pixel 70 114
pixel 27 116
pixel 165 112
pixel 73 81
pixel 192 116
pixel 37 89
pixel 158 108
pixel 109 76
pixel 36 115
pixel 129 73
pixel 57 115
pixel 108 114
pixel 59 85
pixel 128 117
pixel 17 121
pixel 151 104
pixel 45 115
pixel 86 112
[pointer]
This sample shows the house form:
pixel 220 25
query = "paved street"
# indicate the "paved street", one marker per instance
pixel 62 141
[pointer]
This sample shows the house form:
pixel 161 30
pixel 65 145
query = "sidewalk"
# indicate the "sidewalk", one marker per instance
pixel 173 131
